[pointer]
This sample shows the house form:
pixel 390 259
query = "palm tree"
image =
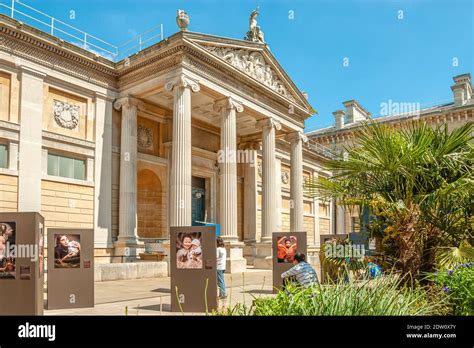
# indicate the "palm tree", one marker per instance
pixel 417 181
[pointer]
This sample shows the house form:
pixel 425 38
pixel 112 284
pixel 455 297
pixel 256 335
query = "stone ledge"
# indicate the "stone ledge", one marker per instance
pixel 131 270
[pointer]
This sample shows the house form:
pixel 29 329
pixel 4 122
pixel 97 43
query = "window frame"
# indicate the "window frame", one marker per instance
pixel 58 157
pixel 7 152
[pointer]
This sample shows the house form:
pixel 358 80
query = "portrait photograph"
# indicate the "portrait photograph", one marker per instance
pixel 67 251
pixel 7 241
pixel 286 249
pixel 189 250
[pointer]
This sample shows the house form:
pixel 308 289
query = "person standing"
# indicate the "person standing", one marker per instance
pixel 221 263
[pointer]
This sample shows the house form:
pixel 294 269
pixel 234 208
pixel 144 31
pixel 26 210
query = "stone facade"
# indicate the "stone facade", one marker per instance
pixel 133 147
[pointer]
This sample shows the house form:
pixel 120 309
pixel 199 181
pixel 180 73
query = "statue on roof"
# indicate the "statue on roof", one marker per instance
pixel 255 34
pixel 182 19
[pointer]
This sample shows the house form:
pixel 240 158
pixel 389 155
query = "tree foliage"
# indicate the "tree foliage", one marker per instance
pixel 417 183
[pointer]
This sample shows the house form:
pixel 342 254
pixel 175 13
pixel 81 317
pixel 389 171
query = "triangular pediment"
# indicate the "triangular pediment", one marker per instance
pixel 256 61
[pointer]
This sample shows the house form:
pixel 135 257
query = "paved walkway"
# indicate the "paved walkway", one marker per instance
pixel 151 296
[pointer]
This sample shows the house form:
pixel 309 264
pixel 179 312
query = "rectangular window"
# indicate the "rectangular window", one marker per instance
pixel 3 156
pixel 66 167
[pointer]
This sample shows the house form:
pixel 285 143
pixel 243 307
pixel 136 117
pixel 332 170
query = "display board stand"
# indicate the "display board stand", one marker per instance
pixel 21 263
pixel 70 268
pixel 193 269
pixel 285 244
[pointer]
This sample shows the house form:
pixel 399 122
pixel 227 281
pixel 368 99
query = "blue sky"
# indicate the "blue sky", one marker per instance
pixel 408 56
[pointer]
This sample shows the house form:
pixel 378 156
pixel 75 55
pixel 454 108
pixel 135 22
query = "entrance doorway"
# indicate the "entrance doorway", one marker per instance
pixel 198 193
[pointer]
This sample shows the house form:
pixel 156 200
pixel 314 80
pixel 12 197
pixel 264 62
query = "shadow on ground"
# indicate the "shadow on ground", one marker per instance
pixel 162 290
pixel 259 291
pixel 166 308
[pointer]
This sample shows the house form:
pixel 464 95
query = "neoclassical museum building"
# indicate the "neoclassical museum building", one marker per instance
pixel 196 128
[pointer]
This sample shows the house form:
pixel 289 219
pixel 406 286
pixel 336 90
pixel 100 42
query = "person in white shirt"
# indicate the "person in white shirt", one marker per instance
pixel 221 261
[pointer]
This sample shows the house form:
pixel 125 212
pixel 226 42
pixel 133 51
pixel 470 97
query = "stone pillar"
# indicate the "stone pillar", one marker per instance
pixel 228 168
pixel 181 164
pixel 317 232
pixel 227 158
pixel 30 152
pixel 296 181
pixel 279 203
pixel 250 200
pixel 340 220
pixel 127 244
pixel 103 171
pixel 332 217
pixel 269 195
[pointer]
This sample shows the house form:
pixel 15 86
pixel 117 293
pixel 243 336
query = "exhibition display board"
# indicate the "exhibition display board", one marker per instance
pixel 70 268
pixel 193 269
pixel 285 245
pixel 21 263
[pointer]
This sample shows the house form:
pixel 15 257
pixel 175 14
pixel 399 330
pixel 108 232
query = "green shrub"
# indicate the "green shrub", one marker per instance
pixel 458 284
pixel 385 296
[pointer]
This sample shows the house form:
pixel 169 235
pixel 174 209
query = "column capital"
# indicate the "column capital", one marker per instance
pixel 103 96
pixel 228 103
pixel 250 145
pixel 182 81
pixel 268 123
pixel 296 136
pixel 127 102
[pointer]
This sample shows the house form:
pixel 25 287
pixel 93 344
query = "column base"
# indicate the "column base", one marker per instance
pixel 263 258
pixel 250 251
pixel 129 248
pixel 235 263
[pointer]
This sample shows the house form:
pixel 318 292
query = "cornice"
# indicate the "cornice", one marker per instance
pixel 24 44
pixel 450 115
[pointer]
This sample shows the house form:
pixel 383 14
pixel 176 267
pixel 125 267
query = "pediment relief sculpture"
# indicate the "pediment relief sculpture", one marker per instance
pixel 253 64
pixel 66 115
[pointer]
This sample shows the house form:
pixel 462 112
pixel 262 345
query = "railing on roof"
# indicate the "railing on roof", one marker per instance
pixel 320 149
pixel 44 22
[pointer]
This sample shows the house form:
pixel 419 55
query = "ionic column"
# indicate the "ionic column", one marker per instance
pixel 269 194
pixel 228 108
pixel 181 164
pixel 128 170
pixel 296 181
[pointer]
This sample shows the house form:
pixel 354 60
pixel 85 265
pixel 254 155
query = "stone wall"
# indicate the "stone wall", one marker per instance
pixel 67 205
pixel 8 193
pixel 9 97
pixel 4 96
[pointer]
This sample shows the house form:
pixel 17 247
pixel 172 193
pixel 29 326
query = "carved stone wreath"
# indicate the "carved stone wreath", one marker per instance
pixel 253 64
pixel 285 177
pixel 144 137
pixel 66 115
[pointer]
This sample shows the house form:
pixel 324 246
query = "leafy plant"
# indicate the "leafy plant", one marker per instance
pixel 458 285
pixel 385 296
pixel 449 257
pixel 336 266
pixel 419 184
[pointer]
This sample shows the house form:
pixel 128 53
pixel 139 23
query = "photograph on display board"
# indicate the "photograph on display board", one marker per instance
pixel 188 250
pixel 41 250
pixel 67 251
pixel 7 243
pixel 286 249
